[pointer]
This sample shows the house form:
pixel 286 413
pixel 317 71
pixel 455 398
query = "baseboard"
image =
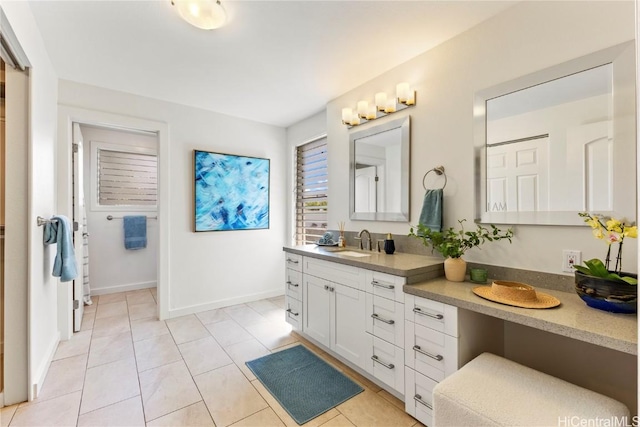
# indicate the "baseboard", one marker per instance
pixel 123 288
pixel 177 312
pixel 41 374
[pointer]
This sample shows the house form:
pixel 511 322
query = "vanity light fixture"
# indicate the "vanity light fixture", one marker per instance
pixel 383 105
pixel 203 14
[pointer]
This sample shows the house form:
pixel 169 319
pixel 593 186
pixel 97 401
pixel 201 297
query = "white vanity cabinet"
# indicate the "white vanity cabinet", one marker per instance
pixel 439 340
pixel 293 290
pixel 385 328
pixel 431 351
pixel 334 308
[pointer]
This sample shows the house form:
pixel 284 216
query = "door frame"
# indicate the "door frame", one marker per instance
pixel 67 115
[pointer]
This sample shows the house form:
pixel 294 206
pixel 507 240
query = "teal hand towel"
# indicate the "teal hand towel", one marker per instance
pixel 58 232
pixel 431 215
pixel 135 231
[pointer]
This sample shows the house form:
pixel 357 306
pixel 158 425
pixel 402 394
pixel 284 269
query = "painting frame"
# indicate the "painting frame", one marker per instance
pixel 231 192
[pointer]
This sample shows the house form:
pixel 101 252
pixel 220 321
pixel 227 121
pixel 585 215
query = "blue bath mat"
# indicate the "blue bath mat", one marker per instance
pixel 305 385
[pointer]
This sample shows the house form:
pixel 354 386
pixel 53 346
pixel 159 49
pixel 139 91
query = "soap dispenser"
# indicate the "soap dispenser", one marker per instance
pixel 389 245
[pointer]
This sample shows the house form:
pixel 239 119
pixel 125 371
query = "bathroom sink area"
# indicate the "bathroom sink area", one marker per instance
pixel 353 254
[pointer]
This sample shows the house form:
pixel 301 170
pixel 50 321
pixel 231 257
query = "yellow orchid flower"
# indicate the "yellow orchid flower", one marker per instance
pixel 631 232
pixel 598 233
pixel 614 225
pixel 593 222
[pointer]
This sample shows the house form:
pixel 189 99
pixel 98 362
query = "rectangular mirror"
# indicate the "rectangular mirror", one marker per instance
pixel 558 142
pixel 379 172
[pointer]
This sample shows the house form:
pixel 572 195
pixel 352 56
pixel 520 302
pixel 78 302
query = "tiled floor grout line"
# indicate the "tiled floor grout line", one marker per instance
pixel 135 360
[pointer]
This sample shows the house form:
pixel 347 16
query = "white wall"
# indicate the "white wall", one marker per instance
pixel 42 301
pixel 112 268
pixel 206 270
pixel 525 38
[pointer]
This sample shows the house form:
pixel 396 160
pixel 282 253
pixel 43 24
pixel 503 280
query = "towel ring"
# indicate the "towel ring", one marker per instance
pixel 439 170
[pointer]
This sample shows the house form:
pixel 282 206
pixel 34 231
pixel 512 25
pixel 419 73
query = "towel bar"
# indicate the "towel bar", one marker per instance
pixel 439 170
pixel 42 221
pixel 111 217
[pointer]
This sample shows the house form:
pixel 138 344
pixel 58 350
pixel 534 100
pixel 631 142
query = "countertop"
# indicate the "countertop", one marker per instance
pixel 573 318
pixel 398 264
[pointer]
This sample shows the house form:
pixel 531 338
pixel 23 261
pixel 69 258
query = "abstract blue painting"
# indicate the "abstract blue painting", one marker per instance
pixel 231 192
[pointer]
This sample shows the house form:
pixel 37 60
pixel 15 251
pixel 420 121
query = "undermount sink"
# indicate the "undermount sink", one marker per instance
pixel 353 254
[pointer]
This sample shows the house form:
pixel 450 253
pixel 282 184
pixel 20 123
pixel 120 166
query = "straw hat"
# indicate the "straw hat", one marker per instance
pixel 516 294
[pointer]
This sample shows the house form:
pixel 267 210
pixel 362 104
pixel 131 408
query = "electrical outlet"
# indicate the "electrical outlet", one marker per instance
pixel 569 259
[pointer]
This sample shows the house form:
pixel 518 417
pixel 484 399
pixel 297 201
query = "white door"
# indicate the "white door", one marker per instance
pixel 590 165
pixel 365 188
pixel 517 176
pixel 78 225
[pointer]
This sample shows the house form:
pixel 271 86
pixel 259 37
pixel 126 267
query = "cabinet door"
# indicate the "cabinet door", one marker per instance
pixel 316 308
pixel 348 337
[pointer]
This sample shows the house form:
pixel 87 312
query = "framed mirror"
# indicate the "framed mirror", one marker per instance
pixel 559 141
pixel 379 172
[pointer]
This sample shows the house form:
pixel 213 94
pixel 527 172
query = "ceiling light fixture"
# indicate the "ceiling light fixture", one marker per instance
pixel 382 106
pixel 204 14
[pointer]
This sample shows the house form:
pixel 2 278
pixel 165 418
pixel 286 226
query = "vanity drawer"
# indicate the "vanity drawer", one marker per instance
pixel 293 261
pixel 293 284
pixel 430 352
pixel 385 285
pixel 385 319
pixel 418 396
pixel 386 362
pixel 432 314
pixel 338 273
pixel 293 312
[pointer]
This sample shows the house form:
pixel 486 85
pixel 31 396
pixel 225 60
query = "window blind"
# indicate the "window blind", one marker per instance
pixel 127 179
pixel 311 191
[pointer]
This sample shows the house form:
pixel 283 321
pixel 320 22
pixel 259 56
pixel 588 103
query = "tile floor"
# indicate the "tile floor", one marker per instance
pixel 124 368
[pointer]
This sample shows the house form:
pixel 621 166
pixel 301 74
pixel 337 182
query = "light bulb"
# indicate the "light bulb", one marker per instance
pixel 204 14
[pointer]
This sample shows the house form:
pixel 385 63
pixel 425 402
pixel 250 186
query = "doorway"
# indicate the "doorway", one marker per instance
pixel 115 175
pixel 86 118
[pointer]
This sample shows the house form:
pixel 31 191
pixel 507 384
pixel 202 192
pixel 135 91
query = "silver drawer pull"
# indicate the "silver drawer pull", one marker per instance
pixel 291 311
pixel 295 285
pixel 418 399
pixel 433 356
pixel 329 288
pixel 388 322
pixel 380 285
pixel 425 313
pixel 292 261
pixel 386 365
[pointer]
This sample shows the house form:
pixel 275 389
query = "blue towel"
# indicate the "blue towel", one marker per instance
pixel 135 231
pixel 431 215
pixel 59 232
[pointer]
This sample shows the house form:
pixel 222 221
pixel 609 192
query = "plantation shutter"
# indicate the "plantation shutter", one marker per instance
pixel 127 179
pixel 311 191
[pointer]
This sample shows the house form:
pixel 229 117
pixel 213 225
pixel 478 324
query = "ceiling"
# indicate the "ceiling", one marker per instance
pixel 275 62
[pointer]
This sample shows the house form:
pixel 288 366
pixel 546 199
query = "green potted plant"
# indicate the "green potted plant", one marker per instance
pixel 452 244
pixel 597 284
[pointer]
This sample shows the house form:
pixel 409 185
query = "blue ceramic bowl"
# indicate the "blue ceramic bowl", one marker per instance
pixel 607 295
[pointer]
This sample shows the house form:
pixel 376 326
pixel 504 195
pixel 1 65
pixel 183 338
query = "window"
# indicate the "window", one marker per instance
pixel 127 177
pixel 311 191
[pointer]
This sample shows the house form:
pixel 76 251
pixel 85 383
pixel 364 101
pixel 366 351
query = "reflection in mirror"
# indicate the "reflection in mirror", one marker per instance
pixel 379 175
pixel 549 148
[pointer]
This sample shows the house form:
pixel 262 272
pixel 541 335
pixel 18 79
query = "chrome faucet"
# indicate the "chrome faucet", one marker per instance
pixel 368 239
